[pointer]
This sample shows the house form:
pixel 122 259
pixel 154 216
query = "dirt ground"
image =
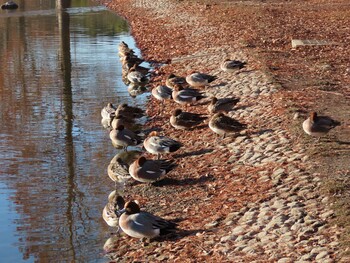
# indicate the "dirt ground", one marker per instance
pixel 311 78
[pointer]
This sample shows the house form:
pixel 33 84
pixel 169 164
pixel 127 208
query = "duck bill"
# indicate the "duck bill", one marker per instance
pixel 120 212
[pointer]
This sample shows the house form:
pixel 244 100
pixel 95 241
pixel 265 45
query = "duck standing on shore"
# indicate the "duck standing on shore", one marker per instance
pixel 123 137
pixel 109 213
pixel 185 120
pixel 129 111
pixel 186 96
pixel 136 77
pixel 172 80
pixel 108 112
pixel 149 171
pixel 232 65
pixel 162 93
pixel 223 125
pixel 118 171
pixel 197 79
pixel 222 105
pixel 319 126
pixel 123 49
pixel 156 144
pixel 141 224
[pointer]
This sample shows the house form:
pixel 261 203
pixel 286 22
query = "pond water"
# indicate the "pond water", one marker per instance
pixel 57 70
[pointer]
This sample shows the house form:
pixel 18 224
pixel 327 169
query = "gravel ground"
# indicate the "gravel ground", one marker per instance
pixel 256 197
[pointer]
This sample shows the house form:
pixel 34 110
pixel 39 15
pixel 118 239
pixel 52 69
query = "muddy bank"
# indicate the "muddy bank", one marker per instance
pixel 254 197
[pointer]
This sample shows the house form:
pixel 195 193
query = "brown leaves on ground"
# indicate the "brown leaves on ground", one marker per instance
pixel 202 189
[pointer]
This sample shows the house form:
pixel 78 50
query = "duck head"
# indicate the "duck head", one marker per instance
pixel 178 87
pixel 177 112
pixel 313 116
pixel 171 76
pixel 140 161
pixel 131 207
pixel 120 127
pixel 214 100
pixel 153 133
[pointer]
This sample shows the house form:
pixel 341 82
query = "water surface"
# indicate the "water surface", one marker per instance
pixel 57 70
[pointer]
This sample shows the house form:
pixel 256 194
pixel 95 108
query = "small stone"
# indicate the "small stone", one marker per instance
pixel 327 215
pixel 226 238
pixel 211 225
pixel 321 255
pixel 238 230
pixel 249 250
pixel 285 260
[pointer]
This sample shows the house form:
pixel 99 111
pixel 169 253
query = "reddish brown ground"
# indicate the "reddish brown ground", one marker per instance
pixel 315 78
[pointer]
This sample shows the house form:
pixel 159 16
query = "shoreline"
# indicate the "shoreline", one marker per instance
pixel 244 199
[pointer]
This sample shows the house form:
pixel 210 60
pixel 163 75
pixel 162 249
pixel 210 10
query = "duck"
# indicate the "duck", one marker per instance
pixel 135 76
pixel 156 144
pixel 124 137
pixel 149 171
pixel 118 171
pixel 143 225
pixel 131 59
pixel 115 204
pixel 223 125
pixel 129 111
pixel 232 65
pixel 9 5
pixel 318 126
pixel 128 65
pixel 197 79
pixel 136 90
pixel 186 96
pixel 108 111
pixel 173 80
pixel 162 93
pixel 222 105
pixel 185 120
pixel 124 49
pixel 119 119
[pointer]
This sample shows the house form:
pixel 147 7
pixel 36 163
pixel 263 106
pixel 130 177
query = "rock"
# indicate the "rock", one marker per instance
pixel 285 260
pixel 321 255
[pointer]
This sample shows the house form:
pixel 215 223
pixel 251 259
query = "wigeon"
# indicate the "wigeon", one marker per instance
pixel 157 144
pixel 186 96
pixel 123 137
pixel 223 125
pixel 149 171
pixel 232 65
pixel 222 105
pixel 141 224
pixel 197 79
pixel 318 126
pixel 185 120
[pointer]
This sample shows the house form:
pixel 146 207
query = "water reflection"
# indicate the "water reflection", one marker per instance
pixel 58 68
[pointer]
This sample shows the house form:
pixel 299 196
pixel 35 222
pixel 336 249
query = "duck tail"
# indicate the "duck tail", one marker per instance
pixel 174 147
pixel 212 78
pixel 169 165
pixel 336 123
pixel 235 100
pixel 199 97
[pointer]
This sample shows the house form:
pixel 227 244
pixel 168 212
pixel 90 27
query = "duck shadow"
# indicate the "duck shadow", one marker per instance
pixel 342 143
pixel 222 83
pixel 245 71
pixel 260 132
pixel 178 234
pixel 193 153
pixel 187 181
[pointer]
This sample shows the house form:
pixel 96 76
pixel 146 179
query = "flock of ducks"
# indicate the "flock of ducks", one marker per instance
pixel 184 91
